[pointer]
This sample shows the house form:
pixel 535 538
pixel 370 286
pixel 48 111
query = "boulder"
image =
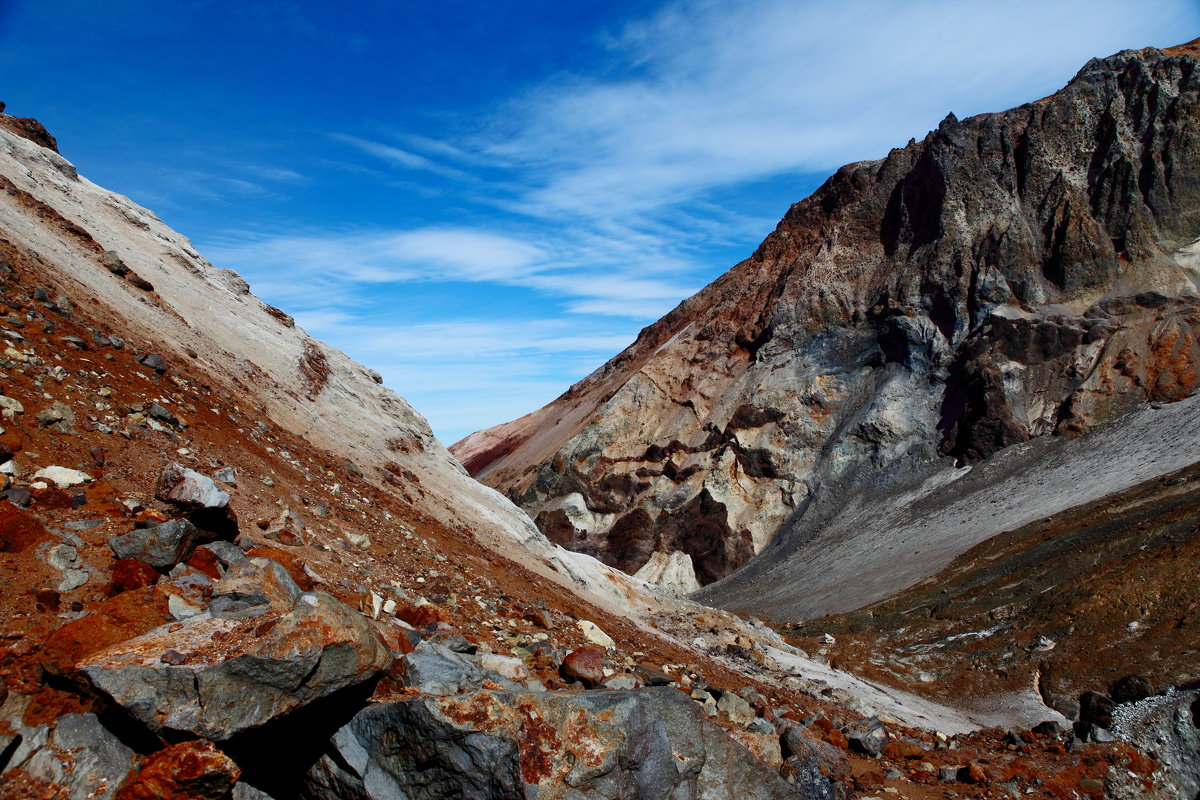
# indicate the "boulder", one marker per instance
pixel 1130 689
pixel 238 674
pixel 651 743
pixel 189 489
pixel 585 665
pixel 79 756
pixel 437 670
pixel 868 736
pixel 194 770
pixel 161 546
pixel 62 477
pixel 254 584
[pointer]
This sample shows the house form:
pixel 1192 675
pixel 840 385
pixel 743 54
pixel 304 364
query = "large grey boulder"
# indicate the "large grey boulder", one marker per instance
pixel 161 546
pixel 487 745
pixel 218 676
pixel 98 761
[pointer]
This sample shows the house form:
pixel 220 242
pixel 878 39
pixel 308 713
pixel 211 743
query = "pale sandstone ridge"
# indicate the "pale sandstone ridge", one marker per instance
pixel 1013 276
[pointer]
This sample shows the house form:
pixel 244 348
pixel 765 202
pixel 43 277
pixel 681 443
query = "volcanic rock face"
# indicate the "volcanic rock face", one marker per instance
pixel 650 743
pixel 1012 276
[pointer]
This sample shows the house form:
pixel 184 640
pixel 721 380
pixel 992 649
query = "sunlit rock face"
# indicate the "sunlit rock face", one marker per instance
pixel 1016 275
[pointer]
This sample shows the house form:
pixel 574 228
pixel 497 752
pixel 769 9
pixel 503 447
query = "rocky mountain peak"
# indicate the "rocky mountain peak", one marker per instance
pixel 1015 275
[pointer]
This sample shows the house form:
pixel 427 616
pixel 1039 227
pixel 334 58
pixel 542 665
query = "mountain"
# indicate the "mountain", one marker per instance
pixel 237 567
pixel 822 426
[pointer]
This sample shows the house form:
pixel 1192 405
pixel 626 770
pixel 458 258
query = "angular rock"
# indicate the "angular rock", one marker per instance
pixel 238 673
pixel 437 670
pixel 591 632
pixel 868 736
pixel 254 584
pixel 98 761
pixel 155 411
pixel 585 665
pixel 649 743
pixel 130 573
pixel 226 553
pixel 161 546
pixel 1130 689
pixel 189 489
pixel 1096 708
pixel 58 416
pixel 62 477
pixel 153 361
pixel 507 666
pixel 192 770
pixel 736 709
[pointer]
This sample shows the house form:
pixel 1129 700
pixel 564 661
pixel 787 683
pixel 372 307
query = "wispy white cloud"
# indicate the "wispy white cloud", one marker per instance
pixel 597 196
pixel 713 93
pixel 400 158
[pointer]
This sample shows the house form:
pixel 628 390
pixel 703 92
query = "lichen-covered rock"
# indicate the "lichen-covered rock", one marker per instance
pixel 647 743
pixel 254 584
pixel 194 770
pixel 217 676
pixel 437 670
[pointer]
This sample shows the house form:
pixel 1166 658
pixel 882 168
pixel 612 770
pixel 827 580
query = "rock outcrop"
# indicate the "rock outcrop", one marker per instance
pixel 1017 275
pixel 646 744
pixel 216 676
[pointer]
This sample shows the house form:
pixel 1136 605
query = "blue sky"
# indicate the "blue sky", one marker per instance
pixel 487 200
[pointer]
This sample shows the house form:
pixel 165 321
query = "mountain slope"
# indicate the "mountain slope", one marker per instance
pixel 1011 277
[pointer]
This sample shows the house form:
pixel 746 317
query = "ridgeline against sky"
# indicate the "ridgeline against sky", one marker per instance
pixel 485 201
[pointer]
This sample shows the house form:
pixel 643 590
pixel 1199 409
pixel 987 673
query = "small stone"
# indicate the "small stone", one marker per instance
pixel 59 416
pixel 189 489
pixel 162 415
pixel 9 408
pixel 226 475
pixel 972 773
pixel 114 263
pixel 62 477
pixel 736 709
pixel 621 681
pixel 1091 785
pixel 173 657
pixel 585 665
pixel 154 362
pixel 591 632
pixel 868 736
pixel 948 774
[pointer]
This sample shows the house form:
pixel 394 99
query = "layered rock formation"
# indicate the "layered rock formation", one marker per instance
pixel 1018 275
